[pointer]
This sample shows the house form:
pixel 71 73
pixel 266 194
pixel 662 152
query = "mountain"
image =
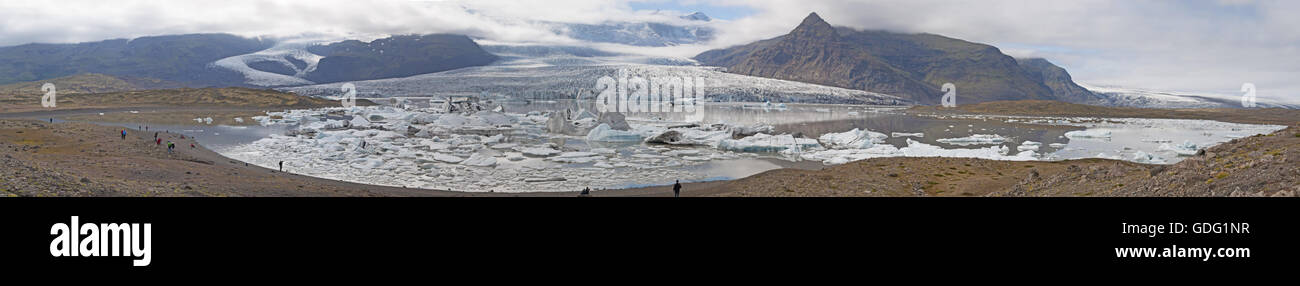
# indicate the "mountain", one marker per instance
pixel 175 58
pixel 1059 81
pixel 87 83
pixel 396 56
pixel 911 66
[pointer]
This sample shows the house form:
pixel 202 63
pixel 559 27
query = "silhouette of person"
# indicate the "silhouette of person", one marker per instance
pixel 677 188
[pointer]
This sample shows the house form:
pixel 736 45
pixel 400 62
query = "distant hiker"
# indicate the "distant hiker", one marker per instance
pixel 281 166
pixel 170 146
pixel 123 134
pixel 586 192
pixel 158 141
pixel 155 135
pixel 51 119
pixel 677 188
pixel 191 145
pixel 363 144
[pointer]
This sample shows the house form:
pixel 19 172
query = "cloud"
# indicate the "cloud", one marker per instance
pixel 1194 45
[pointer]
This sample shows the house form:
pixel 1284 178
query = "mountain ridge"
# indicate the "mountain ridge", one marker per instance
pixel 911 66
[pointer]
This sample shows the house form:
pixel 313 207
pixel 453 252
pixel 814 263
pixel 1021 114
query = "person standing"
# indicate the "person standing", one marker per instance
pixel 677 188
pixel 281 166
pixel 123 134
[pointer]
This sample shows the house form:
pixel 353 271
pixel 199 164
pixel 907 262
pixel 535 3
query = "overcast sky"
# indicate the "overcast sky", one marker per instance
pixel 1207 46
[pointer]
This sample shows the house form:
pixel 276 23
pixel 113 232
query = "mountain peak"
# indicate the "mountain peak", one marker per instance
pixel 697 16
pixel 814 25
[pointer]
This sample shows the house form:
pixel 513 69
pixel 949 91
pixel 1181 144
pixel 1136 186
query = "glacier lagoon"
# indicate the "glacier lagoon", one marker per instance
pixel 513 151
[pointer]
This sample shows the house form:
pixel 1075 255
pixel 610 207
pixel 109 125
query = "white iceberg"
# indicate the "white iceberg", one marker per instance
pixel 1186 149
pixel 1029 146
pixel 853 139
pixel 977 139
pixel 1090 133
pixel 768 143
pixel 479 160
pixel 901 134
pixel 603 133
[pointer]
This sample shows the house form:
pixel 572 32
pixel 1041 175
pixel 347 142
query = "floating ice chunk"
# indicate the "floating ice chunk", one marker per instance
pixel 577 157
pixel 359 122
pixel 538 151
pixel 853 139
pixel 447 158
pixel 900 134
pixel 603 151
pixel 1143 157
pixel 515 157
pixel 1090 133
pixel 853 113
pixel 768 143
pixel 603 133
pixel 239 120
pixel 648 156
pixel 493 139
pixel 480 160
pixel 602 165
pixel 682 152
pixel 1057 145
pixel 688 136
pixel 1157 141
pixel 1029 146
pixel 504 146
pixel 977 139
pixel 841 156
pixel 918 149
pixel 576 154
pixel 1186 149
pixel 367 163
pixel 196 119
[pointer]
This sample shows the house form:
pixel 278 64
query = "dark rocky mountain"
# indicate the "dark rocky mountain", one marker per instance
pixel 397 56
pixel 911 66
pixel 1059 81
pixel 177 58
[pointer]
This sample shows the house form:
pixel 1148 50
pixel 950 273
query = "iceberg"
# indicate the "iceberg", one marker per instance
pixel 901 134
pixel 977 139
pixel 1090 133
pixel 768 143
pixel 447 158
pixel 1143 157
pixel 479 160
pixel 1186 149
pixel 1029 146
pixel 853 139
pixel 538 151
pixel 603 133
